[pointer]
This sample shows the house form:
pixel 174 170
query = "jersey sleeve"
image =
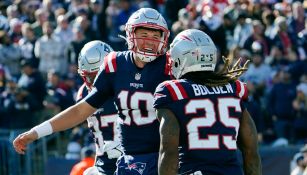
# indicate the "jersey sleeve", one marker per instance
pixel 242 93
pixel 103 85
pixel 241 90
pixel 162 97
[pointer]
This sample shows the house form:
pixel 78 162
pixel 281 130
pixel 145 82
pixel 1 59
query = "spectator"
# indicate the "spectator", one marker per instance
pixel 268 20
pixel 184 22
pixel 50 50
pixel 74 48
pixel 74 145
pixel 259 37
pixel 55 100
pixel 40 18
pixel 34 15
pixel 12 12
pixel 297 20
pixel 300 108
pixel 211 24
pixel 63 30
pixel 242 30
pixel 258 71
pixel 83 23
pixel 47 5
pixel 32 82
pixel 126 8
pixel 27 44
pixel 98 20
pixel 280 101
pixel 302 43
pixel 88 158
pixel 10 54
pixel 176 6
pixel 17 105
pixel 281 37
pixel 15 30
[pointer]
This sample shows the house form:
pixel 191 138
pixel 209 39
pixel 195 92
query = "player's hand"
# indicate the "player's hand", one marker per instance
pixel 21 141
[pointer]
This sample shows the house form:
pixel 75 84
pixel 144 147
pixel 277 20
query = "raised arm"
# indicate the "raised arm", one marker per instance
pixel 248 144
pixel 66 119
pixel 169 134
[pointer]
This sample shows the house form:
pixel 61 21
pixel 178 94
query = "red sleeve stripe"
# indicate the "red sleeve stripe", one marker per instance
pixel 183 92
pixel 176 90
pixel 241 90
pixel 110 62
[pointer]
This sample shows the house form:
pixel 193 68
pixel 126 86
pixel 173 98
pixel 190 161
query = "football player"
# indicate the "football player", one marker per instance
pixel 203 113
pixel 103 122
pixel 130 77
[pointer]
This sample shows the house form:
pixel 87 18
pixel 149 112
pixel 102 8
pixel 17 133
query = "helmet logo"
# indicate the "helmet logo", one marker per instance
pixel 137 76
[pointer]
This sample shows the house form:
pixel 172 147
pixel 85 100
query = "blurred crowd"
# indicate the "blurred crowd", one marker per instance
pixel 40 42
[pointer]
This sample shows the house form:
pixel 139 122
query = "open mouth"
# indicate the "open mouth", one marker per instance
pixel 148 50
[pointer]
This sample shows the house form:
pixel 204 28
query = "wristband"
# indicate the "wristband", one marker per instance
pixel 43 129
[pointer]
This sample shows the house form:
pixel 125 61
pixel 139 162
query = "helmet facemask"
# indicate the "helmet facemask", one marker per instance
pixel 139 45
pixel 150 19
pixel 88 77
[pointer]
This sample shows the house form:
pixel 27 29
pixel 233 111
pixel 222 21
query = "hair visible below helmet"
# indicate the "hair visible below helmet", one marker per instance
pixel 192 50
pixel 91 58
pixel 151 19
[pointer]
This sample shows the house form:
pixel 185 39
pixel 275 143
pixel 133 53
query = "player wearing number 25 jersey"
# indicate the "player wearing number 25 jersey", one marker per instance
pixel 202 115
pixel 131 78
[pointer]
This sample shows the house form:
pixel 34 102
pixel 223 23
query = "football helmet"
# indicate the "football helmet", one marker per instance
pixel 192 50
pixel 90 59
pixel 147 18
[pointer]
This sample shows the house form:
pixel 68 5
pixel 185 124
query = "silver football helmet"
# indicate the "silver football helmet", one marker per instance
pixel 90 59
pixel 192 50
pixel 147 18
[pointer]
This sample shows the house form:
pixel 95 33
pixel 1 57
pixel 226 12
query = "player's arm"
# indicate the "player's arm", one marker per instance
pixel 169 133
pixel 66 119
pixel 248 144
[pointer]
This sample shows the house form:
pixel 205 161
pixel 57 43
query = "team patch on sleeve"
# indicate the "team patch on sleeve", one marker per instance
pixel 241 90
pixel 109 63
pixel 176 90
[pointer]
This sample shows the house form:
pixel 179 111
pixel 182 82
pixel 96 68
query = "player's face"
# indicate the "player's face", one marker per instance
pixel 147 39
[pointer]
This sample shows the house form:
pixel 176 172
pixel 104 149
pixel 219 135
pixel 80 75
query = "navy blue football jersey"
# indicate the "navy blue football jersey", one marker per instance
pixel 132 89
pixel 104 128
pixel 209 120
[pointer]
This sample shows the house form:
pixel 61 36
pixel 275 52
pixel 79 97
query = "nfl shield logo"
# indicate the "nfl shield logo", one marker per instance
pixel 137 76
